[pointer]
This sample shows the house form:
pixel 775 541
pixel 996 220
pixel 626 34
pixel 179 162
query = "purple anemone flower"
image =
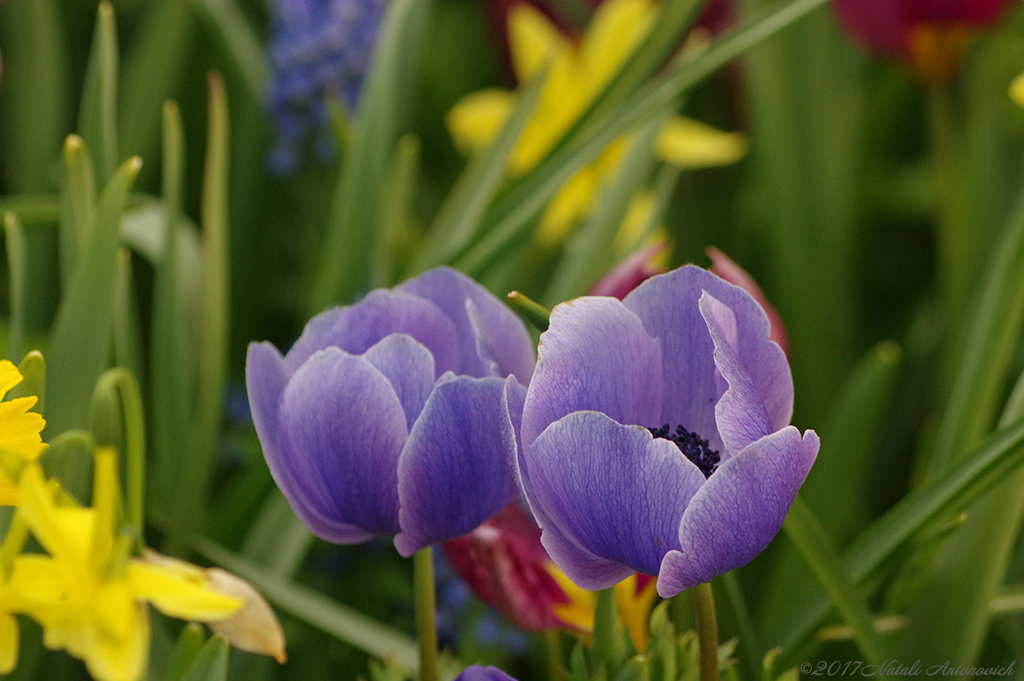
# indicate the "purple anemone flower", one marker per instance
pixel 387 416
pixel 655 434
pixel 478 673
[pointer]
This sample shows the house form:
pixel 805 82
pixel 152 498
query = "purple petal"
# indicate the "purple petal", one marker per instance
pixel 265 381
pixel 595 356
pixel 739 510
pixel 477 673
pixel 454 471
pixel 668 306
pixel 493 340
pixel 613 490
pixel 356 328
pixel 409 368
pixel 342 431
pixel 740 414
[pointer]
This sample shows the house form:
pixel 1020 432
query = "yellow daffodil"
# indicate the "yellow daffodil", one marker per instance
pixel 634 598
pixel 87 593
pixel 577 72
pixel 1017 90
pixel 19 428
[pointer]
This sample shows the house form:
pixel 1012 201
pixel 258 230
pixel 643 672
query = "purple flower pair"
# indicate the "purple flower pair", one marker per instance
pixel 395 416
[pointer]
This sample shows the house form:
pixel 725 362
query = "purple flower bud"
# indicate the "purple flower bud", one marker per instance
pixel 478 673
pixel 388 416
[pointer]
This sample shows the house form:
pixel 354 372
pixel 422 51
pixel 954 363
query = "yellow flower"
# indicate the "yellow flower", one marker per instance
pixel 1017 90
pixel 19 428
pixel 577 72
pixel 634 601
pixel 87 594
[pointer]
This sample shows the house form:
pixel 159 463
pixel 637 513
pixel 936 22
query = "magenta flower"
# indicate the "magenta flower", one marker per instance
pixel 386 416
pixel 655 434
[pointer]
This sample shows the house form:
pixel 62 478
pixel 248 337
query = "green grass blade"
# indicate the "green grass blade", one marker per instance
pixel 77 202
pixel 458 220
pixel 396 211
pixel 589 251
pixel 277 538
pixel 152 69
pixel 170 384
pixel 33 372
pixel 127 331
pixel 14 236
pixel 506 220
pixel 946 493
pixel 97 114
pixel 80 340
pixel 317 609
pixel 200 456
pixel 355 214
pixel 32 209
pixel 188 645
pixel 210 663
pixel 229 25
pixel 813 543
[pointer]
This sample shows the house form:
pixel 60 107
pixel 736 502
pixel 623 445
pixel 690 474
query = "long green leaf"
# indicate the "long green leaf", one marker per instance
pixel 32 209
pixel 97 114
pixel 186 648
pixel 77 202
pixel 81 337
pixel 458 220
pixel 316 608
pixel 344 266
pixel 947 492
pixel 811 539
pixel 14 236
pixel 227 22
pixel 506 219
pixel 210 663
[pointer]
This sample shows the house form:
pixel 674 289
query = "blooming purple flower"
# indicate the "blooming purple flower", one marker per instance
pixel 386 417
pixel 478 673
pixel 655 433
pixel 318 48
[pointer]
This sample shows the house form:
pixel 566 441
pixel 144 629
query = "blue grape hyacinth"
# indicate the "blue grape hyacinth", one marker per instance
pixel 318 49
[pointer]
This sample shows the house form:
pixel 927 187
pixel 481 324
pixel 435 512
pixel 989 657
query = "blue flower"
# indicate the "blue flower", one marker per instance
pixel 656 436
pixel 478 673
pixel 318 48
pixel 387 416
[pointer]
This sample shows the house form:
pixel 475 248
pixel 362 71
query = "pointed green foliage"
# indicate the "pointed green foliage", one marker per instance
pixel 210 663
pixel 77 202
pixel 97 113
pixel 80 340
pixel 185 650
pixel 531 312
pixel 578 664
pixel 33 381
pixel 344 267
pixel 127 330
pixel 277 538
pixel 239 42
pixel 391 249
pixel 609 640
pixel 14 240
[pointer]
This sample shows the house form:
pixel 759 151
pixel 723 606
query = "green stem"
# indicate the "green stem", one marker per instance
pixel 426 627
pixel 553 640
pixel 609 646
pixel 707 630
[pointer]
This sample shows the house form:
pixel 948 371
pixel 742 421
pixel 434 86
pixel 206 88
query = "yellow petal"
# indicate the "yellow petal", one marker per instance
pixel 121 635
pixel 533 40
pixel 20 428
pixel 8 491
pixel 638 215
pixel 8 643
pixel 255 627
pixel 570 204
pixel 1017 90
pixel 476 119
pixel 635 608
pixel 616 29
pixel 578 613
pixel 179 589
pixel 65 532
pixel 9 376
pixel 686 143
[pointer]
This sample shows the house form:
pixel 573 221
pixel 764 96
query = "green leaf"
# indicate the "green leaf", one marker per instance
pixel 609 643
pixel 396 210
pixel 531 312
pixel 317 609
pixel 127 330
pixel 355 214
pixel 229 24
pixel 80 340
pixel 32 209
pixel 813 542
pixel 210 663
pixel 948 492
pixel 14 236
pixel 186 648
pixel 97 114
pixel 33 381
pixel 77 202
pixel 277 538
pixel 458 220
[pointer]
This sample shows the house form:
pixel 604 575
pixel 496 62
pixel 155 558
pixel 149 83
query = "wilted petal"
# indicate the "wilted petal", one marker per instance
pixel 341 433
pixel 739 509
pixel 265 380
pixel 409 367
pixel 493 340
pixel 612 489
pixel 454 472
pixel 255 628
pixel 355 328
pixel 595 356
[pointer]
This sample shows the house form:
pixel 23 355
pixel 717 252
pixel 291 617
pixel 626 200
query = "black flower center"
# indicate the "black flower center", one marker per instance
pixel 690 444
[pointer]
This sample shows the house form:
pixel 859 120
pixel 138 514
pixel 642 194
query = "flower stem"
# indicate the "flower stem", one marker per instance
pixel 609 646
pixel 426 627
pixel 707 630
pixel 554 645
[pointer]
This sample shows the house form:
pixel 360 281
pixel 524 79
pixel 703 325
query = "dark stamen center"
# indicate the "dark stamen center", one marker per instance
pixel 690 444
